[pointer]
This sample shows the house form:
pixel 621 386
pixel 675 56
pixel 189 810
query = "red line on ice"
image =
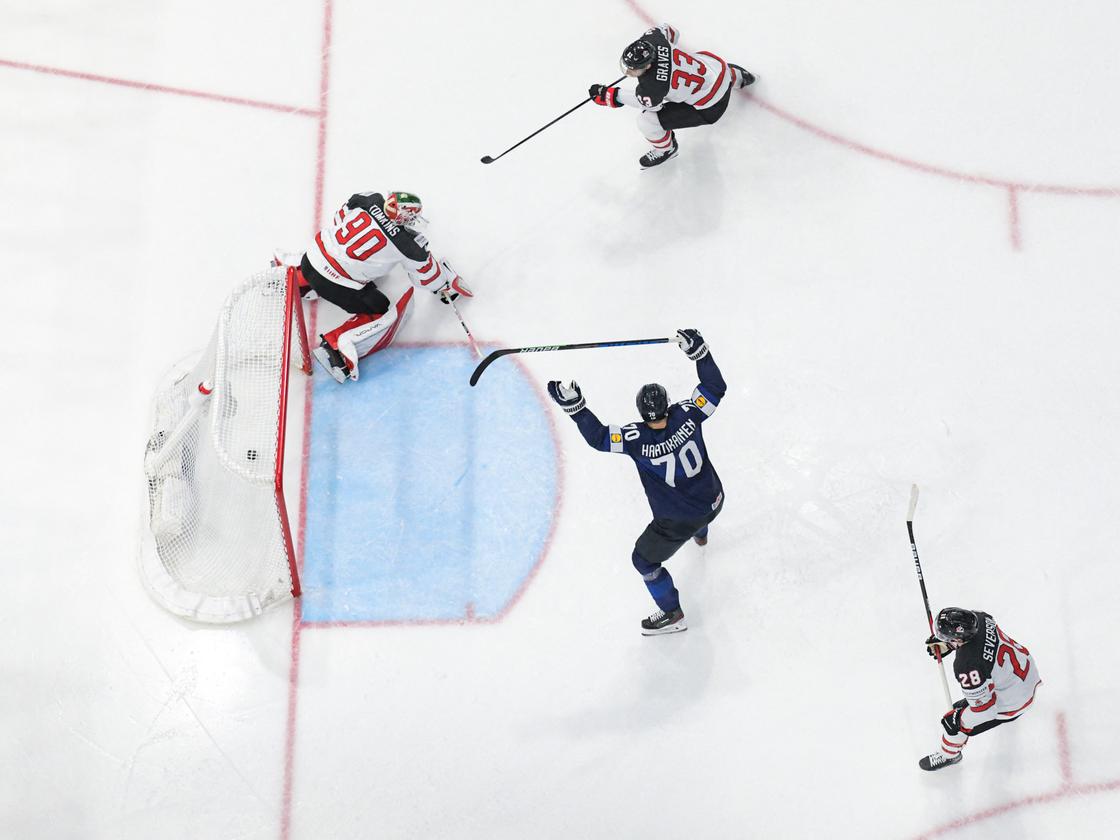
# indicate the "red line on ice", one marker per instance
pixel 1065 790
pixel 154 88
pixel 1013 187
pixel 312 323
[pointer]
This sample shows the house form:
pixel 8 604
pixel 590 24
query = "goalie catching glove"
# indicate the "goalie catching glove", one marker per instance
pixel 568 397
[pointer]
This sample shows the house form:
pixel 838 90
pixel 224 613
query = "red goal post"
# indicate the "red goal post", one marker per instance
pixel 218 544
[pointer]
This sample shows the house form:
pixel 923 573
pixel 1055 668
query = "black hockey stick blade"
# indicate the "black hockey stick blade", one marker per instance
pixel 488 159
pixel 497 354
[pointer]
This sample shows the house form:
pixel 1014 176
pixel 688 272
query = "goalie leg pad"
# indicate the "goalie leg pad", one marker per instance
pixel 361 335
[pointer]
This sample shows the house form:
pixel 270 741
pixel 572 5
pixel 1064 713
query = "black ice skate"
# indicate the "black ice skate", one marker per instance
pixel 664 622
pixel 938 760
pixel 745 79
pixel 656 157
pixel 332 361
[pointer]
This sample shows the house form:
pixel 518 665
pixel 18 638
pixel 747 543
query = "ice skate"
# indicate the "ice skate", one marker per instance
pixel 656 157
pixel 664 622
pixel 746 79
pixel 332 361
pixel 701 541
pixel 938 760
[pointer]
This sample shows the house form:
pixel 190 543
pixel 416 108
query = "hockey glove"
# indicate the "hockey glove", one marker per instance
pixel 605 96
pixel 568 397
pixel 951 720
pixel 692 343
pixel 454 289
pixel 934 644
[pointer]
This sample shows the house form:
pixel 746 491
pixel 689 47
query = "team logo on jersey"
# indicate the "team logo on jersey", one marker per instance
pixel 616 438
pixel 701 402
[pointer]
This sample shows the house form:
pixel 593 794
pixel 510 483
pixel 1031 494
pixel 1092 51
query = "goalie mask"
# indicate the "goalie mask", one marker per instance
pixel 403 208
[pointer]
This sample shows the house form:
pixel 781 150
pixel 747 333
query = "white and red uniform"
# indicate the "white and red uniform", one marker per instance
pixel 998 677
pixel 700 80
pixel 360 246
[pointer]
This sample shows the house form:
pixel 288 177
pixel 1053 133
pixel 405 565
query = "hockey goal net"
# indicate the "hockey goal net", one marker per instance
pixel 218 546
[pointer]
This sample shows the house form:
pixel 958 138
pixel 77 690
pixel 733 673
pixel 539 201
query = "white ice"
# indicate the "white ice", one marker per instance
pixel 879 323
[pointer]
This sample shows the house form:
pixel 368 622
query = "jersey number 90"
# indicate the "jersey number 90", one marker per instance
pixel 691 462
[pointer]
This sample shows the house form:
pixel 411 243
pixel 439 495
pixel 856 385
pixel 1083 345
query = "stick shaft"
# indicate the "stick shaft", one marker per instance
pixel 546 125
pixel 922 583
pixel 466 329
pixel 497 354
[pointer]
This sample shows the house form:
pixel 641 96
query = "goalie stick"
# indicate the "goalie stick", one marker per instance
pixel 466 329
pixel 497 354
pixel 922 583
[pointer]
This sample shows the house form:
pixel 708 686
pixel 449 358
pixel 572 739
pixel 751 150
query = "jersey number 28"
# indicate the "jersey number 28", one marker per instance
pixel 690 458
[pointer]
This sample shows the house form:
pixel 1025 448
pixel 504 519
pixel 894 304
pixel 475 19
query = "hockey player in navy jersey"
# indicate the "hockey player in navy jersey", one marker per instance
pixel 997 675
pixel 667 446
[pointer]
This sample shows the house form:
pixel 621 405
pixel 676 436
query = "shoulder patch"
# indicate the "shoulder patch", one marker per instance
pixel 413 245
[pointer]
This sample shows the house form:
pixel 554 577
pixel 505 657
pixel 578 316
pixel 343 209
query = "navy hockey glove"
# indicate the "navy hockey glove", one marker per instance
pixel 951 720
pixel 568 397
pixel 692 343
pixel 935 644
pixel 603 95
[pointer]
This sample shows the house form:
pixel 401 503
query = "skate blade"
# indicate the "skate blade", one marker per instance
pixel 325 361
pixel 672 628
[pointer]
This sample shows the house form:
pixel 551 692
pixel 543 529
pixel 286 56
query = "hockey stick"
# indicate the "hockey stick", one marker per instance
pixel 488 159
pixel 497 354
pixel 466 329
pixel 922 582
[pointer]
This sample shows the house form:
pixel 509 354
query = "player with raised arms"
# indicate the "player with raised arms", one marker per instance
pixel 681 485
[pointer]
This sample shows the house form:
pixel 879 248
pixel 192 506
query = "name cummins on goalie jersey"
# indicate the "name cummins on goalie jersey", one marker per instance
pixel 679 479
pixel 362 244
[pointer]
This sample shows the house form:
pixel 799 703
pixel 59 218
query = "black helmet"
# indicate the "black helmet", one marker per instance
pixel 637 56
pixel 652 402
pixel 955 624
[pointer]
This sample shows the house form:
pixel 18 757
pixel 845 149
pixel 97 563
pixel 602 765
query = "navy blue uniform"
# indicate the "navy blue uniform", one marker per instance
pixel 681 484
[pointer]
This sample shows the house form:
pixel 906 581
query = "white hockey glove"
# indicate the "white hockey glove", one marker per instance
pixel 692 343
pixel 568 397
pixel 934 644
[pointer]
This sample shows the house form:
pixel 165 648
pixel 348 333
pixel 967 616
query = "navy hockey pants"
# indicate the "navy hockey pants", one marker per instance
pixel 660 541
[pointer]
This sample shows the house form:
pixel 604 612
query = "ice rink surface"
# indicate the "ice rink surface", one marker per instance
pixel 903 249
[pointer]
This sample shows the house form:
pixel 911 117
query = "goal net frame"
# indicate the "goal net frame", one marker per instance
pixel 193 391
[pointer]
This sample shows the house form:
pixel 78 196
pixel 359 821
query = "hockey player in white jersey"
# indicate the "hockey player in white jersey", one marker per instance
pixel 997 675
pixel 676 89
pixel 366 238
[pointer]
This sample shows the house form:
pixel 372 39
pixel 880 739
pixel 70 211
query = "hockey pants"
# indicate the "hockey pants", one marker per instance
pixel 660 541
pixel 658 126
pixel 951 745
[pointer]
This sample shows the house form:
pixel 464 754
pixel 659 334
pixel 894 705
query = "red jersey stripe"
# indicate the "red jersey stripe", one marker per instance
pixel 719 81
pixel 329 258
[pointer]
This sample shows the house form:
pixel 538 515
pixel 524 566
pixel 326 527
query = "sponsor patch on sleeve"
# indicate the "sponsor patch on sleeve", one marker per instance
pixel 615 437
pixel 703 403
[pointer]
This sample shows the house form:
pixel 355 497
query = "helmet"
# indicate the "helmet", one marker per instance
pixel 955 624
pixel 403 208
pixel 652 402
pixel 637 56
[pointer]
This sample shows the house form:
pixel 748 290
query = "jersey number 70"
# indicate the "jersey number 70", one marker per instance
pixel 691 461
